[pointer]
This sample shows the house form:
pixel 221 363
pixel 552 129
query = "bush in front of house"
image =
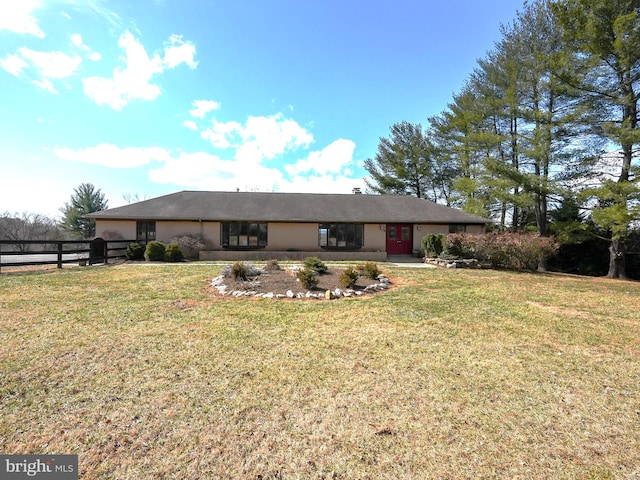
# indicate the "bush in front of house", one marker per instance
pixel 434 244
pixel 272 265
pixel 191 245
pixel 155 251
pixel 308 278
pixel 349 277
pixel 370 270
pixel 239 271
pixel 135 251
pixel 173 253
pixel 315 264
pixel 512 251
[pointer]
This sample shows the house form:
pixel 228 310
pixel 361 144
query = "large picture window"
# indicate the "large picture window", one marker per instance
pixel 145 232
pixel 244 235
pixel 341 235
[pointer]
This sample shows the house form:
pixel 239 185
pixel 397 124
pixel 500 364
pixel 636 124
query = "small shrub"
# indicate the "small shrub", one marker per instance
pixel 349 277
pixel 315 264
pixel 173 253
pixel 135 251
pixel 370 270
pixel 191 245
pixel 308 278
pixel 239 271
pixel 154 251
pixel 272 265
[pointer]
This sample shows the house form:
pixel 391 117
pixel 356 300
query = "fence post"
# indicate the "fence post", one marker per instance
pixel 59 254
pixel 106 252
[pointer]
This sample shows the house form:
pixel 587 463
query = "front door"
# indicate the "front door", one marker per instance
pixel 399 239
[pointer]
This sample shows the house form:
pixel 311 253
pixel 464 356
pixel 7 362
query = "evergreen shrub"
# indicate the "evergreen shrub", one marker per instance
pixel 173 253
pixel 349 277
pixel 315 264
pixel 154 251
pixel 135 251
pixel 239 271
pixel 371 270
pixel 308 278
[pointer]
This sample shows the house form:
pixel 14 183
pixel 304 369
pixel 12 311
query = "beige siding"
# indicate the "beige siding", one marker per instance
pixel 375 238
pixel 126 228
pixel 298 236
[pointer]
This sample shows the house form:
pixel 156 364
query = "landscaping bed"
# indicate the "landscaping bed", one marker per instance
pixel 281 282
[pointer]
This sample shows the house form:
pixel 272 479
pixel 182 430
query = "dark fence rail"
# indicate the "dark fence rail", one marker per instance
pixel 14 253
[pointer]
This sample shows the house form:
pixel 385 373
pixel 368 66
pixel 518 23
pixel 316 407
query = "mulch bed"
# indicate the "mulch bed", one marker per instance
pixel 279 281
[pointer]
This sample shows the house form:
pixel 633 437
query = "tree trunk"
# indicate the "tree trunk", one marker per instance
pixel 617 259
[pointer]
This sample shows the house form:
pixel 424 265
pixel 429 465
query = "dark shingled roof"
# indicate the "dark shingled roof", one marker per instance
pixel 289 207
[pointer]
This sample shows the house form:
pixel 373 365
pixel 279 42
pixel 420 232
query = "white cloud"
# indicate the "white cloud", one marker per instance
pixel 199 169
pixel 17 16
pixel 207 171
pixel 178 51
pixel 266 137
pixel 133 81
pixel 260 138
pixel 45 84
pixel 223 134
pixel 113 156
pixel 47 65
pixel 51 64
pixel 77 41
pixel 190 124
pixel 334 158
pixel 202 107
pixel 13 64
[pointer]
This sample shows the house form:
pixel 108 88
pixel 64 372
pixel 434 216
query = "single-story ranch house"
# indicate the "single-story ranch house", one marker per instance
pixel 256 225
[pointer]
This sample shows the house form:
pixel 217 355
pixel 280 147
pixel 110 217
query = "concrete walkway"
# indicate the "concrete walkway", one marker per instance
pixel 408 261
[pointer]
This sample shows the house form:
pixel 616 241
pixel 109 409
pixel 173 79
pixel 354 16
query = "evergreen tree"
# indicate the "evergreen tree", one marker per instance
pixel 604 39
pixel 85 199
pixel 402 164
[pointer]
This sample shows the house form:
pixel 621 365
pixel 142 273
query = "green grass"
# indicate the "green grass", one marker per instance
pixel 144 373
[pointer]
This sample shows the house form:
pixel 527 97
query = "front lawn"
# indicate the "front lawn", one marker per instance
pixel 144 373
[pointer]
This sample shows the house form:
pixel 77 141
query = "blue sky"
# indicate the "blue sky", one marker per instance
pixel 148 97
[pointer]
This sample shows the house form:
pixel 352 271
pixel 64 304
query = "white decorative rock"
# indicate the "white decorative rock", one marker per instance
pixel 290 293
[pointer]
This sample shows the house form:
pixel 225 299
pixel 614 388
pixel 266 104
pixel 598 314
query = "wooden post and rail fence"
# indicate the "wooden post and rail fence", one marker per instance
pixel 14 253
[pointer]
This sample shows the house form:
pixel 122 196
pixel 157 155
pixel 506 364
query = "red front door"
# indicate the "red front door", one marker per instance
pixel 399 239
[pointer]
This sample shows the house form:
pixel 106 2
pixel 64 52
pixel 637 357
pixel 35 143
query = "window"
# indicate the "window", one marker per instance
pixel 145 232
pixel 244 235
pixel 341 235
pixel 457 228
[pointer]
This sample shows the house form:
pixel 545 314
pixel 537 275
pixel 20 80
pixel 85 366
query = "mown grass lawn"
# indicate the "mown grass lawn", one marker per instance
pixel 144 374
